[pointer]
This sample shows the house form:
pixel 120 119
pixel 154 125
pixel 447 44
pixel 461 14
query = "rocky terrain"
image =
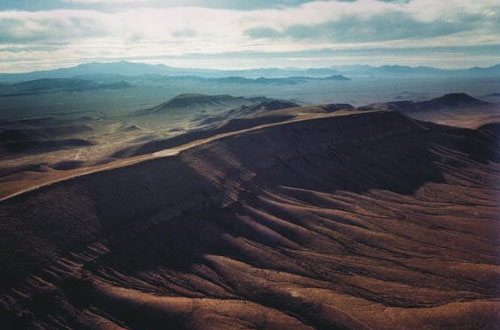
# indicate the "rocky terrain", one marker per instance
pixel 329 220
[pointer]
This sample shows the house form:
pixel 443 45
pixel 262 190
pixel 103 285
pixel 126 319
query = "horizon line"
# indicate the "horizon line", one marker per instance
pixel 250 69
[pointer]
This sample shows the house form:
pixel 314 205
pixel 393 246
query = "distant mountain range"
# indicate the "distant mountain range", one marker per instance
pixel 50 85
pixel 117 71
pixel 398 71
pixel 276 81
pixel 112 81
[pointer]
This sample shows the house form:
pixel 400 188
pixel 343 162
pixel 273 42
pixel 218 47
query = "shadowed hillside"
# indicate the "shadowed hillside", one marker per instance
pixel 18 139
pixel 364 221
pixel 448 101
pixel 455 109
pixel 190 102
pixel 263 106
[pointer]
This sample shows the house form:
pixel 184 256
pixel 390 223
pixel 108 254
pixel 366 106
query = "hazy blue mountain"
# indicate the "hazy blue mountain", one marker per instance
pixel 98 81
pixel 391 71
pixel 276 81
pixel 117 70
pixel 397 71
pixel 123 69
pixel 337 77
pixel 322 72
pixel 50 85
pixel 495 69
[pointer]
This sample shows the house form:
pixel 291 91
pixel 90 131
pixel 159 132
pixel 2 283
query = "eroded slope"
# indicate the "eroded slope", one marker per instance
pixel 368 221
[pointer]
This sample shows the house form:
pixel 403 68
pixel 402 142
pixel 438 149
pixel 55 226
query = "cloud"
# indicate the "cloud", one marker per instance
pixel 221 4
pixel 112 29
pixel 326 21
pixel 385 27
pixel 370 20
pixel 186 33
pixel 106 1
pixel 50 26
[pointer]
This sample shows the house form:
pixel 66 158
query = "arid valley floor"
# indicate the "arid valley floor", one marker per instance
pixel 268 216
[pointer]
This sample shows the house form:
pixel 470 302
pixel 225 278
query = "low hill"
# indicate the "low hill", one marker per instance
pixel 33 137
pixel 448 101
pixel 31 147
pixel 363 221
pixel 451 101
pixel 263 111
pixel 273 104
pixel 196 102
pixel 251 109
pixel 456 109
pixel 190 100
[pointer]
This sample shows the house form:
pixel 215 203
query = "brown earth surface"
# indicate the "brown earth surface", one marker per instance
pixel 361 221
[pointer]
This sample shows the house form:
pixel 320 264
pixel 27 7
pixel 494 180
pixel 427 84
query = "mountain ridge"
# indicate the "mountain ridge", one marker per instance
pixel 130 69
pixel 51 85
pixel 294 226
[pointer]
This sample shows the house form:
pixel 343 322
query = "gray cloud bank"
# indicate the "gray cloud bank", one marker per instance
pixel 76 31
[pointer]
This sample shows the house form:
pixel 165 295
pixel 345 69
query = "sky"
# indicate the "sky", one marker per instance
pixel 242 34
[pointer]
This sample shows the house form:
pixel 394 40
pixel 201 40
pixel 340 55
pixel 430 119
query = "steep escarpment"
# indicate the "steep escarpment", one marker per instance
pixel 366 221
